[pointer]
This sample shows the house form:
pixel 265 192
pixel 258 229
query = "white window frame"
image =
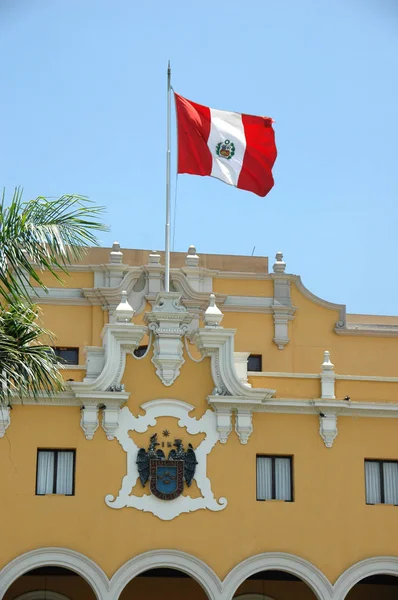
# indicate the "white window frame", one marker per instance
pixel 273 458
pixel 55 480
pixel 382 486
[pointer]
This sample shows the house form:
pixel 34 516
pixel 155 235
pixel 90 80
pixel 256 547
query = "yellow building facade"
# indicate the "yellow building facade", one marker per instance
pixel 235 437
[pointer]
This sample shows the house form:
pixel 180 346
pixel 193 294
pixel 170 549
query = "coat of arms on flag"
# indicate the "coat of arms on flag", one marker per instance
pixel 225 149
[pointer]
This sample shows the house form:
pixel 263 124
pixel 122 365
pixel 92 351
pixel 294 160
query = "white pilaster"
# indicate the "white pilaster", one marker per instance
pixel 327 378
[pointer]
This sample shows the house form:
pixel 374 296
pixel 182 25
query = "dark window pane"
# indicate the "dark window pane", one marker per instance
pixel 254 362
pixel 70 356
pixel 140 351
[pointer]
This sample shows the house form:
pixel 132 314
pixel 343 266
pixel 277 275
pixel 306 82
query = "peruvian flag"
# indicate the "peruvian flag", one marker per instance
pixel 238 149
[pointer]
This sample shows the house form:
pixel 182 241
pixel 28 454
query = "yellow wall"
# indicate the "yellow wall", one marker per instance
pixel 75 279
pixel 243 287
pixel 328 523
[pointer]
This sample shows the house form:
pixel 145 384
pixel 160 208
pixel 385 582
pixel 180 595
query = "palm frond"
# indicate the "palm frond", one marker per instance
pixel 28 364
pixel 44 234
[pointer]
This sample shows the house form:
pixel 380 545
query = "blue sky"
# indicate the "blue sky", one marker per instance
pixel 83 110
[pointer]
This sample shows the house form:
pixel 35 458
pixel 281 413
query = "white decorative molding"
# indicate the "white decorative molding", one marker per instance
pixel 5 419
pixel 240 361
pixel 251 304
pixel 124 312
pixel 171 559
pixel 218 343
pixel 278 561
pixel 215 589
pixel 118 339
pixel 191 297
pixel 377 565
pixel 282 316
pixel 169 322
pixel 312 406
pixel 275 374
pixel 282 308
pixel 328 428
pixel 110 419
pixel 150 503
pixel 213 315
pixel 56 557
pixel 368 330
pixel 224 423
pixel 243 424
pixel 89 420
pixel 327 378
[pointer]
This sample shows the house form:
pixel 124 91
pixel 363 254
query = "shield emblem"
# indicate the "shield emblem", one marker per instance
pixel 166 478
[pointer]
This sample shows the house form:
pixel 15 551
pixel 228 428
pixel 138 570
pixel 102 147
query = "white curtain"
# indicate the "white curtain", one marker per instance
pixel 264 478
pixel 372 482
pixel 390 474
pixel 283 489
pixel 65 473
pixel 45 472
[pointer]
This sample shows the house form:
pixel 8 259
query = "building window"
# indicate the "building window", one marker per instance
pixel 381 482
pixel 55 472
pixel 69 356
pixel 274 478
pixel 254 362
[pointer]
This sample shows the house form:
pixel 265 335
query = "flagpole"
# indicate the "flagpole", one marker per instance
pixel 167 232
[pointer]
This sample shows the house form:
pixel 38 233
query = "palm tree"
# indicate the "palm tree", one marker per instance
pixel 40 234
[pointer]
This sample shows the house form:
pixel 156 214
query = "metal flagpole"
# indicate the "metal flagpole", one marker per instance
pixel 167 232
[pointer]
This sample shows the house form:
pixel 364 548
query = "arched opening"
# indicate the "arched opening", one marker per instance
pixel 382 587
pixel 50 583
pixel 273 584
pixel 163 583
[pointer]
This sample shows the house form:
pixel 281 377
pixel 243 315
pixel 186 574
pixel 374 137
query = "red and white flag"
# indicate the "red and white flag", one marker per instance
pixel 238 149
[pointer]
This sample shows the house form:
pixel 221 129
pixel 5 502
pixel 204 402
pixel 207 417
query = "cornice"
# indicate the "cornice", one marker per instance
pixel 363 329
pixel 307 406
pixel 111 295
pixel 200 299
pixel 278 375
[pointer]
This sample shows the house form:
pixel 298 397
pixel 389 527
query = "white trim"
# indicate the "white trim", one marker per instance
pixel 60 557
pixel 360 329
pixel 307 406
pixel 148 502
pixel 279 561
pixel 284 375
pixel 173 559
pixel 377 565
pixel 275 374
pixel 42 595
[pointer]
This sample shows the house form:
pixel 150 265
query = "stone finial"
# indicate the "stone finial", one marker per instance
pixel 124 312
pixel 327 365
pixel 279 264
pixel 115 255
pixel 154 258
pixel 213 315
pixel 192 259
pixel 327 378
